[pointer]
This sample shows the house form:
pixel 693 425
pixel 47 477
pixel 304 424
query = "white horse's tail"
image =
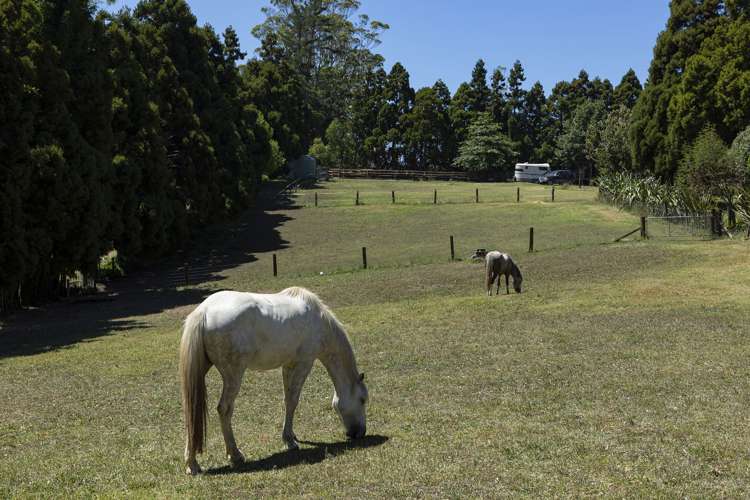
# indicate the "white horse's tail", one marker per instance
pixel 193 367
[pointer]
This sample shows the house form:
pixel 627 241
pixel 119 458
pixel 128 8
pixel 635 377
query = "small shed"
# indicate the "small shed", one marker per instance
pixel 304 167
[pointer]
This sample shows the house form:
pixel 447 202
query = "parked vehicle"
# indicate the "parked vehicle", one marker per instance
pixel 557 177
pixel 530 172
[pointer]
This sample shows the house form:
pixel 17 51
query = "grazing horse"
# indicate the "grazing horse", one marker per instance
pixel 497 263
pixel 235 331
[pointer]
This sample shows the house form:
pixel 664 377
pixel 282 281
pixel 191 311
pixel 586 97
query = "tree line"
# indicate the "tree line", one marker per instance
pixel 485 126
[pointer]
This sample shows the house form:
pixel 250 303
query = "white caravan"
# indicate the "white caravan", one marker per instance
pixel 530 172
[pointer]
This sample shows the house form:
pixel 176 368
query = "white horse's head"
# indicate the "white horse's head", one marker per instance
pixel 351 408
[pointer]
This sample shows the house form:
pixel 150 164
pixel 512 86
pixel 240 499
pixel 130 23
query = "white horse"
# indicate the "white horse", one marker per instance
pixel 291 329
pixel 497 263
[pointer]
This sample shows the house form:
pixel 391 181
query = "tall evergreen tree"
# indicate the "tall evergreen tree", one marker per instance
pixel 498 101
pixel 79 34
pixel 516 95
pixel 460 112
pixel 534 124
pixel 369 140
pixel 398 101
pixel 427 127
pixel 676 102
pixel 479 91
pixel 143 199
pixel 446 139
pixel 627 92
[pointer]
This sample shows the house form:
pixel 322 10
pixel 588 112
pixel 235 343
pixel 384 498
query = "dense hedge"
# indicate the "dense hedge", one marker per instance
pixel 121 131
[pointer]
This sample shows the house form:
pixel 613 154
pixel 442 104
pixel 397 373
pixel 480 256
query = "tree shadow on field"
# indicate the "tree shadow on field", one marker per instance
pixel 63 324
pixel 163 285
pixel 290 458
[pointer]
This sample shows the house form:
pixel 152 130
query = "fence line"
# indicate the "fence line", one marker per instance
pixel 376 173
pixel 432 197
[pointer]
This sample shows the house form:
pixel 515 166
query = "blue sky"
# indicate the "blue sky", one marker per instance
pixel 554 39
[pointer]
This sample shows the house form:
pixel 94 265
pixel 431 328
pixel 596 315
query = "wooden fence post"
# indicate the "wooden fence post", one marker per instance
pixel 644 234
pixel 453 253
pixel 275 268
pixel 316 198
pixel 364 257
pixel 518 194
pixel 531 239
pixel 477 195
pixel 393 197
pixel 434 199
pixel 553 194
pixel 716 222
pixel 356 200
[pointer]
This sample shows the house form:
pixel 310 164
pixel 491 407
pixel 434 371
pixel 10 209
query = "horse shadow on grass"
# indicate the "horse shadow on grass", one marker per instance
pixel 290 458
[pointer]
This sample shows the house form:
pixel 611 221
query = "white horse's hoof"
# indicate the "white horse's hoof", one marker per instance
pixel 237 460
pixel 291 444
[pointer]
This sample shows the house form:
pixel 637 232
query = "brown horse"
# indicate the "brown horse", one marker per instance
pixel 497 263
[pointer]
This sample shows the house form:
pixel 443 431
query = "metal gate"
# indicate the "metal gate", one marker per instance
pixel 681 227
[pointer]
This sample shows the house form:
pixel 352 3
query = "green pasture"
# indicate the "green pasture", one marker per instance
pixel 621 370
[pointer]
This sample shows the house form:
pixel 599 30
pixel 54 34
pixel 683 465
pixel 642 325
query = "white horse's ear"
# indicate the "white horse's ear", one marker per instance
pixel 362 377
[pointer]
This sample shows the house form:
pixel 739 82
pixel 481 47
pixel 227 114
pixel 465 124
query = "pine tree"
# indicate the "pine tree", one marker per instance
pixel 368 100
pixel 627 92
pixel 398 101
pixel 426 128
pixel 534 124
pixel 460 112
pixel 479 91
pixel 186 85
pixel 516 96
pixel 446 139
pixel 498 98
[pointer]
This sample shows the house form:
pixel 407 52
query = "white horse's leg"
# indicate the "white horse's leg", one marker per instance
pixel 507 290
pixel 294 376
pixel 232 380
pixel 497 291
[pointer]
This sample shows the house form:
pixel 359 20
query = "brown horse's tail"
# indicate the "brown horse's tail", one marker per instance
pixel 193 367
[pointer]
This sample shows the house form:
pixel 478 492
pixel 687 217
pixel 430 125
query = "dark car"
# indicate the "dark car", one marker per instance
pixel 557 177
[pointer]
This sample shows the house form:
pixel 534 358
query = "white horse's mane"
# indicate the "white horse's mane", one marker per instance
pixel 313 300
pixel 335 326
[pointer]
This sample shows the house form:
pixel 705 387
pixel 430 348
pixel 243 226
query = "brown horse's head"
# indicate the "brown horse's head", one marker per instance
pixel 517 278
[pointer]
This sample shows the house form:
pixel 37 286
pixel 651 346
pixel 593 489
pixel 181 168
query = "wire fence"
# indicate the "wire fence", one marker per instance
pixel 681 227
pixel 668 222
pixel 338 198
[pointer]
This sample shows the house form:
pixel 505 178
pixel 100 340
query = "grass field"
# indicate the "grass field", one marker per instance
pixel 622 370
